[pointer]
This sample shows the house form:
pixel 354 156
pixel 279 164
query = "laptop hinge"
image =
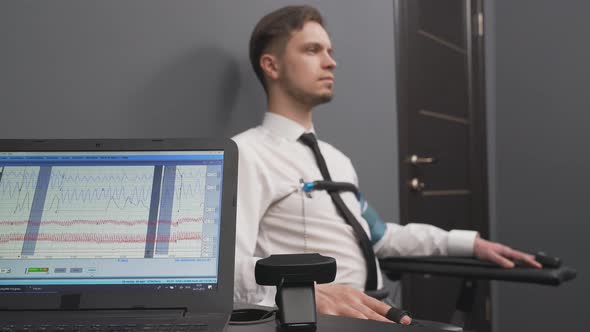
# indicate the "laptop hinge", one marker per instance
pixel 173 313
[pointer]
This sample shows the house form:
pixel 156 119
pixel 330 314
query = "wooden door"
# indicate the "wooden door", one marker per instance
pixel 442 137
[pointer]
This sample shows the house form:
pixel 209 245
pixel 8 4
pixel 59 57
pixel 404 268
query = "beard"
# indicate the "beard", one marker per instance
pixel 304 97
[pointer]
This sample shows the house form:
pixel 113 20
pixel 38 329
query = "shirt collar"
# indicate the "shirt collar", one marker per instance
pixel 284 127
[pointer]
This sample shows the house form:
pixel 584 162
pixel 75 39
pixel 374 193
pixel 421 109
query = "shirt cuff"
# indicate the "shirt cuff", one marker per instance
pixel 460 242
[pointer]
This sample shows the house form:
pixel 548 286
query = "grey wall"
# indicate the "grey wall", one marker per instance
pixel 179 68
pixel 142 68
pixel 539 111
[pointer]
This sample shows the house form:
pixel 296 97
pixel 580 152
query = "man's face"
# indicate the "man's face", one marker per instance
pixel 307 66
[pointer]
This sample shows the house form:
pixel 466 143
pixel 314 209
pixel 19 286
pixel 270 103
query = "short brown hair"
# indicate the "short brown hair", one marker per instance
pixel 275 28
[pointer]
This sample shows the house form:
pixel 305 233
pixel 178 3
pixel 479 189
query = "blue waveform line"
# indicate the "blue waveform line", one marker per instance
pixel 75 188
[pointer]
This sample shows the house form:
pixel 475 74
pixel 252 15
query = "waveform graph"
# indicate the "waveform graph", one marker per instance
pixel 95 212
pixel 180 221
pixel 110 211
pixel 17 190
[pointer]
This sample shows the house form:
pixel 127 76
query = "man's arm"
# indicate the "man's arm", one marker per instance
pixel 425 240
pixel 254 197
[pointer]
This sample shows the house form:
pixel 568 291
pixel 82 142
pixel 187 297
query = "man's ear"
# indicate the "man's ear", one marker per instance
pixel 270 66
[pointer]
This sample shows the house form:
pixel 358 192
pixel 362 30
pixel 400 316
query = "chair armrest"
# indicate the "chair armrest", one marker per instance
pixel 472 268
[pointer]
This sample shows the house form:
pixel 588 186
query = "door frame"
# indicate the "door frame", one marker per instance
pixel 477 115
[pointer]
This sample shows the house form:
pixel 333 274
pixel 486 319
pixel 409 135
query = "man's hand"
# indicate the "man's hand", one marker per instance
pixel 501 254
pixel 340 300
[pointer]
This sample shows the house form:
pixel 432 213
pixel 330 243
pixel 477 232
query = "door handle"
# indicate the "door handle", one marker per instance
pixel 415 160
pixel 416 185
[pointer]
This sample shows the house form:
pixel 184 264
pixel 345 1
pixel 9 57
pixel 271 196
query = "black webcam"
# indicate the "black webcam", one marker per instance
pixel 295 277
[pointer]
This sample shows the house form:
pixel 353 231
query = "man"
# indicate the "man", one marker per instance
pixel 291 53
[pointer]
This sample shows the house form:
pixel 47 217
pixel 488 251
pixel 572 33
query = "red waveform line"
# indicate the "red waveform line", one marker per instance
pixel 70 223
pixel 97 238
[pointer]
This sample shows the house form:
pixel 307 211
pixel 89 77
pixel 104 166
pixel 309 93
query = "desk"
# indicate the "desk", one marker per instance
pixel 329 323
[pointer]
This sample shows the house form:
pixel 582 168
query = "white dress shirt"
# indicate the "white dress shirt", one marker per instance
pixel 274 216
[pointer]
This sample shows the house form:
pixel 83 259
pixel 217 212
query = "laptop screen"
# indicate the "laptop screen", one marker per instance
pixel 110 218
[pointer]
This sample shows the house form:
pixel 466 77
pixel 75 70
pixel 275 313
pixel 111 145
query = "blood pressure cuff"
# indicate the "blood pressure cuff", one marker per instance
pixel 376 225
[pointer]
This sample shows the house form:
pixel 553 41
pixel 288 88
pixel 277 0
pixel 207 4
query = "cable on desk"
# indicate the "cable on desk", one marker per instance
pixel 251 316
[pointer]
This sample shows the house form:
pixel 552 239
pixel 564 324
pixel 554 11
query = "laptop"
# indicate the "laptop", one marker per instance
pixel 117 235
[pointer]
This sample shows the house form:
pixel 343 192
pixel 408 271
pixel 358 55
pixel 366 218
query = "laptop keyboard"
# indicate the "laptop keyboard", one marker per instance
pixel 104 327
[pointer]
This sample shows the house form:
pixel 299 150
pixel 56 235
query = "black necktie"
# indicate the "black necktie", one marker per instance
pixel 366 246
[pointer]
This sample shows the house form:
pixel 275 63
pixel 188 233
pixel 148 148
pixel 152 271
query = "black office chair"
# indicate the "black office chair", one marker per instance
pixel 471 270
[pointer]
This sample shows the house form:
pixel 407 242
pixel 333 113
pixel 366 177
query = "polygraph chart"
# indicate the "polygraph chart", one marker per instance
pixel 101 211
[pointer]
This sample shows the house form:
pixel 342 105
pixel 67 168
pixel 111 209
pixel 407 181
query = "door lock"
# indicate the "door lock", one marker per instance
pixel 416 185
